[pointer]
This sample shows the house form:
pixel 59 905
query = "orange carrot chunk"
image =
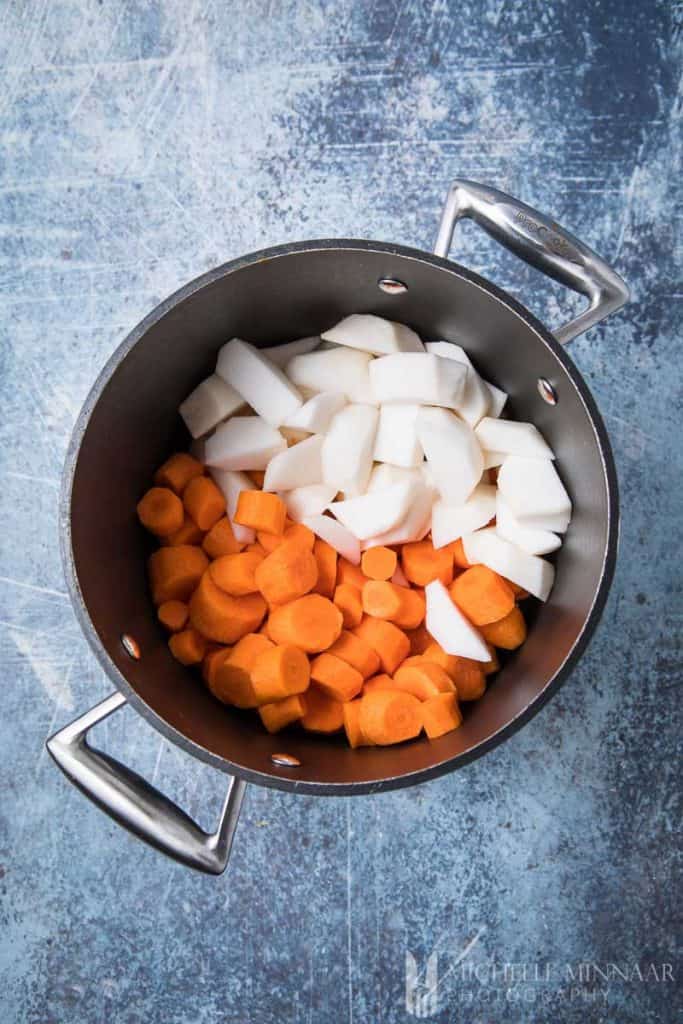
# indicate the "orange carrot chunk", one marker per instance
pixel 356 653
pixel 173 615
pixel 177 472
pixel 261 511
pixel 379 682
pixel 335 677
pixel 508 632
pixel 204 502
pixel 189 533
pixel 379 563
pixel 347 572
pixel 423 680
pixel 390 716
pixel 489 667
pixel 187 647
pixel 289 572
pixel 457 550
pixel 212 659
pixel 422 563
pixel 467 675
pixel 348 599
pixel 441 714
pixel 220 540
pixel 321 712
pixel 219 616
pixel 257 476
pixel 280 672
pixel 352 725
pixel 281 713
pixel 385 600
pixel 312 623
pixel 231 682
pixel 161 511
pixel 482 595
pixel 519 592
pixel 420 639
pixel 390 643
pixel 236 574
pixel 326 557
pixel 175 572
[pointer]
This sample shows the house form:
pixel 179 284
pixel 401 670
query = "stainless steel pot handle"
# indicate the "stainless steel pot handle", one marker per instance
pixel 540 242
pixel 136 804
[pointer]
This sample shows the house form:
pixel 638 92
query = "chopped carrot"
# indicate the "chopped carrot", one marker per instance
pixel 236 574
pixel 326 557
pixel 258 548
pixel 160 511
pixel 269 541
pixel 441 714
pixel 261 510
pixel 390 716
pixel 422 563
pixel 379 563
pixel 289 572
pixel 335 677
pixel 220 540
pixel 508 633
pixel 175 572
pixel 347 572
pixel 489 667
pixel 482 595
pixel 519 592
pixel 390 643
pixel 231 681
pixel 173 615
pixel 204 502
pixel 187 647
pixel 423 681
pixel 348 599
pixel 219 616
pixel 385 600
pixel 379 682
pixel 189 533
pixel 212 659
pixel 280 672
pixel 321 712
pixel 312 623
pixel 177 472
pixel 458 552
pixel 257 476
pixel 356 653
pixel 351 710
pixel 281 713
pixel 419 638
pixel 293 531
pixel 466 674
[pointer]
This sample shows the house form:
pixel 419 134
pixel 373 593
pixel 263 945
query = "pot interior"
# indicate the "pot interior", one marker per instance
pixel 130 425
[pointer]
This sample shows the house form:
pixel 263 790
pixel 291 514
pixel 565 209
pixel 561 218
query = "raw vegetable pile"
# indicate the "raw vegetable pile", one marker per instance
pixel 366 529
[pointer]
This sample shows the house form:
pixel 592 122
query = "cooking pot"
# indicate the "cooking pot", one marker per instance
pixel 129 425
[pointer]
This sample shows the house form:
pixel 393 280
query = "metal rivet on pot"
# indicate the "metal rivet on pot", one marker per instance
pixel 392 286
pixel 285 761
pixel 130 646
pixel 546 391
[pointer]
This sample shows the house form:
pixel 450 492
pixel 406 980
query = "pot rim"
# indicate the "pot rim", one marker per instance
pixel 283 781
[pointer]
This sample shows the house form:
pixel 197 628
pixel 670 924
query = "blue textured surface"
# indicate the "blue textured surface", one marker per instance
pixel 142 143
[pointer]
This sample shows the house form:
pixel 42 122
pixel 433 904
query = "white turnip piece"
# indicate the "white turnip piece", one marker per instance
pixel 450 522
pixel 376 512
pixel 336 535
pixel 449 627
pixel 417 378
pixel 453 453
pixel 532 488
pixel 512 438
pixel 232 484
pixel 534 542
pixel 528 571
pixel 262 384
pixel 385 475
pixel 244 442
pixel 311 500
pixel 396 440
pixel 348 447
pixel 281 354
pixel 297 466
pixel 476 397
pixel 373 334
pixel 211 402
pixel 317 413
pixel 338 369
pixel 415 526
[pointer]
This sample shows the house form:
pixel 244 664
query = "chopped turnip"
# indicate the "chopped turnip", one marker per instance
pixel 528 571
pixel 493 459
pixel 338 369
pixel 297 466
pixel 476 397
pixel 211 401
pixel 336 535
pixel 396 440
pixel 513 438
pixel 385 475
pixel 452 451
pixel 554 523
pixel 373 334
pixel 417 378
pixel 451 522
pixel 498 399
pixel 232 484
pixel 244 442
pixel 449 627
pixel 415 526
pixel 377 512
pixel 262 384
pixel 348 447
pixel 532 487
pixel 317 413
pixel 281 354
pixel 449 350
pixel 534 542
pixel 311 500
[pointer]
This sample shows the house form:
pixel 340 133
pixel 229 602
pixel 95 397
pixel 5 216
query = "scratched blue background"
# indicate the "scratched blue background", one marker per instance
pixel 143 142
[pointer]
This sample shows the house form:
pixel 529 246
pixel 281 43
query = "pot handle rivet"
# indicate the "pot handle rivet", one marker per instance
pixel 546 391
pixel 392 286
pixel 285 760
pixel 130 646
